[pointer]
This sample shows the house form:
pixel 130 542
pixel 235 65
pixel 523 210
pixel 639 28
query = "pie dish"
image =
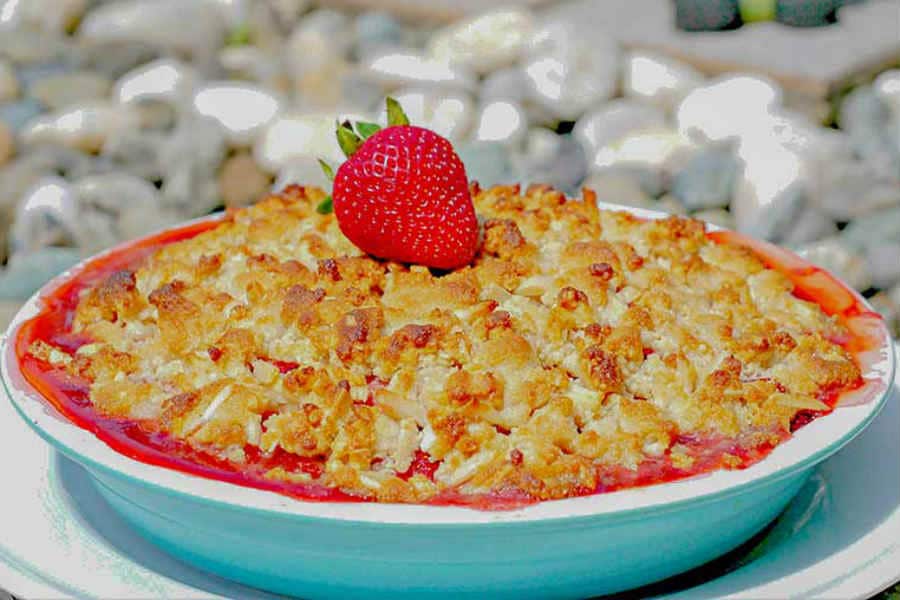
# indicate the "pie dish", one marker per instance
pixel 533 392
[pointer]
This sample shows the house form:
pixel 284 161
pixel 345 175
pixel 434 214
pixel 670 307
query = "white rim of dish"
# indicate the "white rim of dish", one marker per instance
pixel 806 447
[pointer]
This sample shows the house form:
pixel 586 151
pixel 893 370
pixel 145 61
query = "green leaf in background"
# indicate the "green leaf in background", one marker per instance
pixel 395 113
pixel 327 169
pixel 239 36
pixel 326 206
pixel 757 10
pixel 367 130
pixel 347 139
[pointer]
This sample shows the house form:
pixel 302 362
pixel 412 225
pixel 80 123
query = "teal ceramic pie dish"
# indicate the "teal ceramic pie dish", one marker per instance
pixel 571 548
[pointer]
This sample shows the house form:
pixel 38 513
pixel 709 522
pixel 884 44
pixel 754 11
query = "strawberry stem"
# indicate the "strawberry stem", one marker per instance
pixel 327 169
pixel 347 139
pixel 367 130
pixel 326 206
pixel 395 113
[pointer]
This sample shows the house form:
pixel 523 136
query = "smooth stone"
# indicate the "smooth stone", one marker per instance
pixel 670 204
pixel 614 121
pixel 823 146
pixel 241 181
pixel 243 110
pixel 125 207
pixel 8 310
pixel 319 38
pixel 59 91
pixel 887 87
pixel 52 16
pixel 873 228
pixel 7 144
pixel 852 189
pixel 136 152
pixel 708 179
pixel 835 256
pixel 730 106
pixel 501 121
pixel 189 159
pixel 47 215
pixel 302 170
pixel 810 225
pixel 31 74
pixel 233 13
pixel 488 163
pixel 320 88
pixel 396 68
pixel 883 261
pixel 154 115
pixel 253 64
pixel 375 30
pixel 9 83
pixel 288 12
pixel 556 160
pixel 867 119
pixel 447 113
pixel 27 272
pixel 568 72
pixel 886 306
pixel 83 126
pixel 716 216
pixel 192 27
pixel 511 84
pixel 17 114
pixel 113 59
pixel 485 42
pixel 24 47
pixel 658 79
pixel 62 160
pixel 165 79
pixel 613 188
pixel 651 156
pixel 297 135
pixel 360 92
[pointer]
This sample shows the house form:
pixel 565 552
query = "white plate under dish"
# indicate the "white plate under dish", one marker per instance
pixel 839 538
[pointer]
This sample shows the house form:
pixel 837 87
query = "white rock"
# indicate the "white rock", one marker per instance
pixel 501 121
pixel 9 84
pixel 810 225
pixel 47 215
pixel 851 189
pixel 242 109
pixel 485 42
pixel 190 158
pixel 883 261
pixel 716 216
pixel 569 72
pixel 834 256
pixel 318 40
pixel 614 121
pixel 303 170
pixel 165 79
pixel 658 79
pixel 447 113
pixel 233 13
pixel 618 189
pixel 251 62
pixel 132 205
pixel 298 135
pixel 52 16
pixel 510 84
pixel 729 106
pixel 59 91
pixel 83 126
pixel 193 27
pixel 393 69
pixel 887 87
pixel 652 156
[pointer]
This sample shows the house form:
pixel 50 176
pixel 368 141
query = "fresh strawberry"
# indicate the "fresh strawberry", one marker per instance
pixel 403 194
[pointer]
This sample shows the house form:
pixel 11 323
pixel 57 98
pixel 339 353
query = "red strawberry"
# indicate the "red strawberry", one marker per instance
pixel 403 195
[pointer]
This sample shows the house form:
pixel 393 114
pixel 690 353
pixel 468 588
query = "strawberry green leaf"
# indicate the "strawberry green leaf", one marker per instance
pixel 327 169
pixel 326 206
pixel 347 139
pixel 395 113
pixel 367 130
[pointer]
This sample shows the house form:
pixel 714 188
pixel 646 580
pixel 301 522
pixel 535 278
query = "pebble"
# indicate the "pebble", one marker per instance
pixel 887 87
pixel 556 160
pixel 734 105
pixel 17 114
pixel 708 179
pixel 113 59
pixel 254 64
pixel 84 126
pixel 615 120
pixel 303 170
pixel 288 12
pixel 9 83
pixel 842 261
pixel 867 119
pixel 888 307
pixel 296 135
pixel 485 42
pixel 241 181
pixel 242 109
pixel 189 158
pixel 511 84
pixel 24 47
pixel 7 144
pixel 192 28
pixel 47 215
pixel 569 73
pixel 850 190
pixel 883 261
pixel 27 273
pixel 165 79
pixel 31 74
pixel 501 121
pixel 716 216
pixel 613 188
pixel 810 225
pixel 136 152
pixel 126 205
pixel 488 163
pixel 67 162
pixel 376 30
pixel 652 157
pixel 873 228
pixel 658 79
pixel 670 204
pixel 397 68
pixel 59 91
pixel 8 310
pixel 51 16
pixel 448 113
pixel 321 38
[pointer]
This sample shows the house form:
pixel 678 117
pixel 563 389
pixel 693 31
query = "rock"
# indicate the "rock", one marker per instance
pixel 47 215
pixel 288 12
pixel 568 72
pixel 511 84
pixel 706 15
pixel 556 160
pixel 670 204
pixel 59 91
pixel 614 121
pixel 803 13
pixel 360 93
pixel 192 27
pixel 61 160
pixel 651 157
pixel 297 135
pixel 839 259
pixel 887 87
pixel 375 31
pixel 658 79
pixel 450 114
pixel 17 114
pixel 24 47
pixel 501 121
pixel 135 152
pixel 485 42
pixel 614 188
pixel 189 159
pixel 716 216
pixel 882 302
pixel 303 170
pixel 165 79
pixel 730 106
pixel 393 69
pixel 867 119
pixel 488 163
pixel 320 88
pixel 318 40
pixel 243 110
pixel 9 84
pixel 883 262
pixel 26 273
pixel 241 181
pixel 113 59
pixel 873 229
pixel 810 225
pixel 254 64
pixel 85 126
pixel 52 16
pixel 708 179
pixel 8 310
pixel 852 189
pixel 123 205
pixel 7 144
pixel 31 74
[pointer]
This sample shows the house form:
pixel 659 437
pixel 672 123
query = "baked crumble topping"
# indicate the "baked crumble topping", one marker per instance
pixel 579 344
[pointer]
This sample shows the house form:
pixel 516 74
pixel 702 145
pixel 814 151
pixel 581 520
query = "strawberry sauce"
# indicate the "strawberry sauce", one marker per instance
pixel 137 440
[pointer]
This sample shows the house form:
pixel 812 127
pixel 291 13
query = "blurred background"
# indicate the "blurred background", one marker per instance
pixel 779 118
